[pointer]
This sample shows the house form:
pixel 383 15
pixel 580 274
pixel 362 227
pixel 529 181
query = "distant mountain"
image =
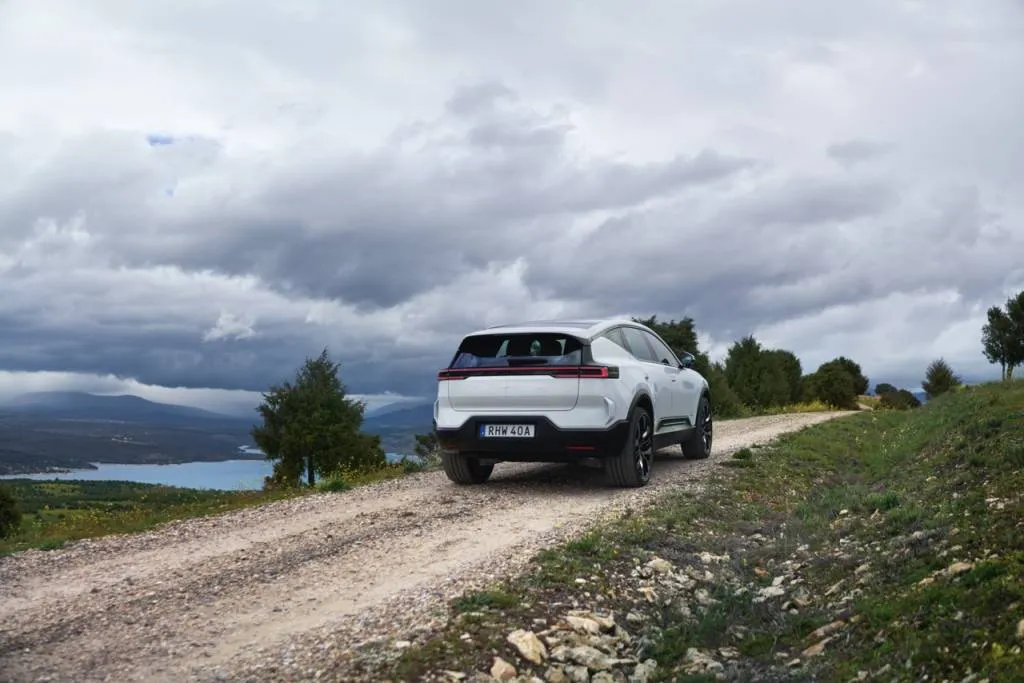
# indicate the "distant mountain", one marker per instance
pixel 64 429
pixel 72 405
pixel 419 416
pixel 393 407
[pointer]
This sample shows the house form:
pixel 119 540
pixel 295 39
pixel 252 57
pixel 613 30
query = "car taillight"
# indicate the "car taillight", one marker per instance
pixel 590 372
pixel 560 371
pixel 446 375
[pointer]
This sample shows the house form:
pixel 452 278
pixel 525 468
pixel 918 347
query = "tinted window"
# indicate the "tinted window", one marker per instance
pixel 636 343
pixel 504 350
pixel 614 335
pixel 660 350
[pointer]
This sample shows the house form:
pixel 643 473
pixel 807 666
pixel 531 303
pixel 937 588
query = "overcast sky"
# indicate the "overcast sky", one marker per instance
pixel 198 194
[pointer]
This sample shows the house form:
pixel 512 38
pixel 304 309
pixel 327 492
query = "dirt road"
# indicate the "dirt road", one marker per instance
pixel 297 583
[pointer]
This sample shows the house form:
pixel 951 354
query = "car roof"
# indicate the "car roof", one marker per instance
pixel 579 328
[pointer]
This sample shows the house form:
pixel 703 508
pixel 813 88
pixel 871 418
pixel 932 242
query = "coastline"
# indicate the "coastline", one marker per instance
pixel 10 470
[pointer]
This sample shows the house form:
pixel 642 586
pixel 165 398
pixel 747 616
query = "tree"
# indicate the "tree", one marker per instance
pixel 1002 337
pixel 311 427
pixel 680 335
pixel 10 515
pixel 834 384
pixel 885 388
pixel 725 402
pixel 939 378
pixel 757 376
pixel 791 369
pixel 860 381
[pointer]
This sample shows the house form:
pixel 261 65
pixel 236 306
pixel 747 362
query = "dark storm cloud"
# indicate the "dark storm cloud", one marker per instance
pixel 382 179
pixel 374 230
pixel 179 358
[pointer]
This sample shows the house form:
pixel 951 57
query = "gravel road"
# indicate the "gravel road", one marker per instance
pixel 294 585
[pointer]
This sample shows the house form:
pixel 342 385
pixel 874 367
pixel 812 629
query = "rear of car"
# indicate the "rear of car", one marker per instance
pixel 529 395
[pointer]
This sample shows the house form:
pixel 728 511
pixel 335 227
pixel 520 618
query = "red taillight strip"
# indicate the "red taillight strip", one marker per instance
pixel 559 371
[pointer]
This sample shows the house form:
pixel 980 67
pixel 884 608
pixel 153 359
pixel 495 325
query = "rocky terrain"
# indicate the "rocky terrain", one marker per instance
pixel 296 590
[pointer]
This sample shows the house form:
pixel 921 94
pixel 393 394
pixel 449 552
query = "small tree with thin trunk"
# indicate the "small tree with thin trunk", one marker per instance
pixel 939 378
pixel 311 427
pixel 1002 337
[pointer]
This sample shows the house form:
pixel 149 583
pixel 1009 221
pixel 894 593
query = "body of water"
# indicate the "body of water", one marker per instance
pixel 225 475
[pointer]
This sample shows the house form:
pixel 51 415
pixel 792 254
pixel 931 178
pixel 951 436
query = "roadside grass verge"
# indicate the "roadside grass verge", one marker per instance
pixel 879 546
pixel 56 512
pixel 794 408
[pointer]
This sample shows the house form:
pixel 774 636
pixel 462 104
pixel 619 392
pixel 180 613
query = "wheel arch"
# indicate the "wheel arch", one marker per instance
pixel 642 398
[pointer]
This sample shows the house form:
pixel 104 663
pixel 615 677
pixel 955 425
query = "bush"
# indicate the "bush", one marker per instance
pixel 833 384
pixel 333 484
pixel 418 464
pixel 939 378
pixel 900 399
pixel 725 403
pixel 10 515
pixel 860 382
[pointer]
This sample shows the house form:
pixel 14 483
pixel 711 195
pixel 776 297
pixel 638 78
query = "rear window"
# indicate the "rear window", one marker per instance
pixel 506 350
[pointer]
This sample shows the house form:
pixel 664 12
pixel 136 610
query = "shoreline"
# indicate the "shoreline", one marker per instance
pixel 241 456
pixel 95 465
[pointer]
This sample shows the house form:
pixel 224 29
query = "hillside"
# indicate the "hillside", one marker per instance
pixel 124 408
pixel 398 427
pixel 886 546
pixel 65 430
pixel 241 596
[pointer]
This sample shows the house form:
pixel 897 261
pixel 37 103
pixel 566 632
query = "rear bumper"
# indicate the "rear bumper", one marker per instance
pixel 549 443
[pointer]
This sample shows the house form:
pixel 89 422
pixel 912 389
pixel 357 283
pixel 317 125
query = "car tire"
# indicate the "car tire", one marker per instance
pixel 464 469
pixel 698 445
pixel 632 466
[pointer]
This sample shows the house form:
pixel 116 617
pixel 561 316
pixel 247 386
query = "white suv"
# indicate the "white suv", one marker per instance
pixel 560 391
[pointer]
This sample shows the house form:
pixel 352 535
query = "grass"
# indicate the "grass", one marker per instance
pixel 873 402
pixel 903 531
pixel 57 512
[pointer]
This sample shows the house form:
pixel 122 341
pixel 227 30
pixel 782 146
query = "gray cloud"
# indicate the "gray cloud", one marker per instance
pixel 855 151
pixel 380 180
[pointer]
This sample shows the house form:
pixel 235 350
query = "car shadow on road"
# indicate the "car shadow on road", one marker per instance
pixel 571 478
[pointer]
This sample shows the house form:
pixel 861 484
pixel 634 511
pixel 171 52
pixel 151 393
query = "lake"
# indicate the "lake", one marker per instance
pixel 225 475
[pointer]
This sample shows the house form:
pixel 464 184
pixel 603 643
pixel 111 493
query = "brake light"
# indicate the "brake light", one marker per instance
pixel 446 375
pixel 561 372
pixel 590 372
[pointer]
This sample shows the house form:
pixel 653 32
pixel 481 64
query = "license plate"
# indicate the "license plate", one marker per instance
pixel 506 431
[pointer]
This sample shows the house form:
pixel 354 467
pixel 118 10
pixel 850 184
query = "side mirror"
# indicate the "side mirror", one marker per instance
pixel 685 360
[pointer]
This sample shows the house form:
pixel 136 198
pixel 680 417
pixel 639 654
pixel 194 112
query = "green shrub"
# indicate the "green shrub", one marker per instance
pixel 333 484
pixel 414 465
pixel 833 384
pixel 899 400
pixel 940 378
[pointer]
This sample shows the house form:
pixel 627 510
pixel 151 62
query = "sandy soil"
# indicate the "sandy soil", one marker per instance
pixel 297 582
